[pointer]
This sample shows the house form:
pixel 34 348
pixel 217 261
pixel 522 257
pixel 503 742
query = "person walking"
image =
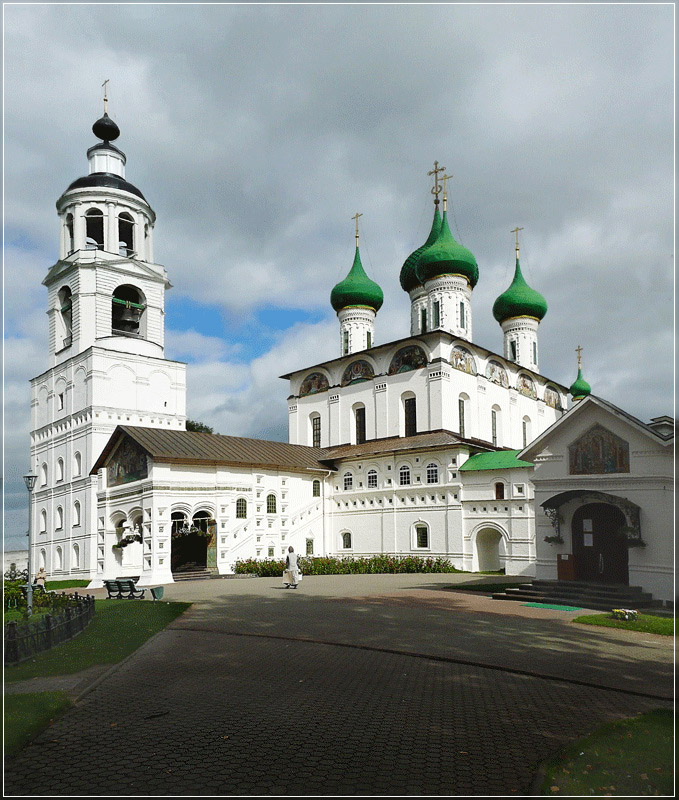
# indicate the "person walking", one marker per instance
pixel 291 575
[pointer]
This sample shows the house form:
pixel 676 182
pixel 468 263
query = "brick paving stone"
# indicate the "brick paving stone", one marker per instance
pixel 305 718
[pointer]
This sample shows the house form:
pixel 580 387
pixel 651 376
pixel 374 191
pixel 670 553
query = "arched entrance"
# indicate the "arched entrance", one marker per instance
pixel 189 542
pixel 599 547
pixel 488 550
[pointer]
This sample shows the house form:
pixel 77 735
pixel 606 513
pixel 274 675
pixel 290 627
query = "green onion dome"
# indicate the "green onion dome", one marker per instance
pixel 447 257
pixel 356 289
pixel 409 279
pixel 519 300
pixel 580 388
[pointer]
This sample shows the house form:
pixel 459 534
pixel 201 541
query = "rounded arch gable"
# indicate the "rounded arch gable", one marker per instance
pixel 314 382
pixel 407 359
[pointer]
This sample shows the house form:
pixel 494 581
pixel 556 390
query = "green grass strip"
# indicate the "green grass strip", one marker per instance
pixel 553 607
pixel 53 586
pixel 27 714
pixel 629 757
pixel 119 627
pixel 644 623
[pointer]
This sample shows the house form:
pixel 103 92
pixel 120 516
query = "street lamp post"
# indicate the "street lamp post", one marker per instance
pixel 29 479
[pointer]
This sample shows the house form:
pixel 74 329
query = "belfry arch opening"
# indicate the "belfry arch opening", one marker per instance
pixel 128 311
pixel 65 303
pixel 94 229
pixel 125 234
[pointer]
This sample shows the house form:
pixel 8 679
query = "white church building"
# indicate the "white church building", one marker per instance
pixel 404 447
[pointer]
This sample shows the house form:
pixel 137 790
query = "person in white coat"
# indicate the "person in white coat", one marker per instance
pixel 291 576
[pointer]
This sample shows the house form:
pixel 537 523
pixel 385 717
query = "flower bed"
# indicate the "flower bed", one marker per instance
pixel 374 565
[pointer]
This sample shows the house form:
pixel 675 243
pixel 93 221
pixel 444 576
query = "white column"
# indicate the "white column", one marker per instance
pixel 79 229
pixel 357 329
pixel 418 301
pixel 111 240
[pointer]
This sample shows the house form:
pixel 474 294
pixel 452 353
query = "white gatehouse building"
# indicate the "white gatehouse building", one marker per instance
pixel 403 447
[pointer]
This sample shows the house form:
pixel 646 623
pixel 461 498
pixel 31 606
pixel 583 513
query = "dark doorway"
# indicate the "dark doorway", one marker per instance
pixel 189 547
pixel 599 548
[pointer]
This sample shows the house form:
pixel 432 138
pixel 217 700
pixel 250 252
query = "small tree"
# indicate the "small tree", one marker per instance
pixel 198 427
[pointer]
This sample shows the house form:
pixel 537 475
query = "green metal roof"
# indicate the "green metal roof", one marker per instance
pixel 408 277
pixel 519 300
pixel 356 289
pixel 580 388
pixel 502 459
pixel 446 257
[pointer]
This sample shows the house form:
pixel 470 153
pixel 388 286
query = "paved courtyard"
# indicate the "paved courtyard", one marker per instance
pixel 348 685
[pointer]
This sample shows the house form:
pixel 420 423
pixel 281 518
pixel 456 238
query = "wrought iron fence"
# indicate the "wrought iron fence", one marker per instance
pixel 23 640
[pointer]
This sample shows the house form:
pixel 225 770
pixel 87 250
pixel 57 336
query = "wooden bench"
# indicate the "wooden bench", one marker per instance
pixel 123 587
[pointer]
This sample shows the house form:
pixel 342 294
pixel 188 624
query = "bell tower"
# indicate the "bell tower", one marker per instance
pixel 106 358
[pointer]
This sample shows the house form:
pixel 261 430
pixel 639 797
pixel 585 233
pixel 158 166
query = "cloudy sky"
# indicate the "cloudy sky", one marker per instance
pixel 256 132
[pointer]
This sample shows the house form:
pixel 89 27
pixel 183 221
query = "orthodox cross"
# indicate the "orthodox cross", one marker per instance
pixel 516 232
pixel 446 178
pixel 578 350
pixel 435 172
pixel 355 217
pixel 105 87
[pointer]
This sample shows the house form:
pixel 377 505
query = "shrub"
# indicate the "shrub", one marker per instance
pixel 329 565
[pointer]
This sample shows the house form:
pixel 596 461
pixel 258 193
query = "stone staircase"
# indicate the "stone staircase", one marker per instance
pixel 598 596
pixel 193 572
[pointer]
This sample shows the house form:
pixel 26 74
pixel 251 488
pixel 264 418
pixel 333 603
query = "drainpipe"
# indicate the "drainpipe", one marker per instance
pixel 328 473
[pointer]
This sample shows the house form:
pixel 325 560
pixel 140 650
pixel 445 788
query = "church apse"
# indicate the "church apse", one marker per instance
pixel 598 452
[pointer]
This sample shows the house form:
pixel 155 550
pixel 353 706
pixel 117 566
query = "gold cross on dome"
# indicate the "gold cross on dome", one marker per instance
pixel 516 232
pixel 355 217
pixel 105 87
pixel 578 350
pixel 435 172
pixel 445 179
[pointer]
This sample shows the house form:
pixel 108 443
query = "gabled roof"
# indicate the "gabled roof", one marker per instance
pixel 534 447
pixel 502 459
pixel 188 447
pixel 399 444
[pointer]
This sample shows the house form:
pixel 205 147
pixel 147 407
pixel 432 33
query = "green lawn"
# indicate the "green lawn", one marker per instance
pixel 119 627
pixel 645 623
pixel 55 586
pixel 629 757
pixel 27 714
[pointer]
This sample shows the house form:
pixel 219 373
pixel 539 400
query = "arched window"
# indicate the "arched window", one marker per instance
pixel 43 521
pixel 77 465
pixel 316 490
pixel 60 518
pixel 409 416
pixel 404 476
pixel 76 513
pixel 372 479
pixel 65 300
pixel 75 558
pixel 125 234
pixel 70 245
pixel 43 475
pixel 42 563
pixel 462 413
pixel 127 312
pixel 359 423
pixel 526 431
pixel 346 540
pixel 94 229
pixel 432 473
pixel 271 504
pixel 499 491
pixel 421 536
pixel 178 519
pixel 241 508
pixel 495 425
pixel 58 559
pixel 315 420
pixel 309 547
pixel 348 481
pixel 60 469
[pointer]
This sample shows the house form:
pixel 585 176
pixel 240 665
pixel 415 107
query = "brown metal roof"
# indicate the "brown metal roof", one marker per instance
pixel 188 447
pixel 393 444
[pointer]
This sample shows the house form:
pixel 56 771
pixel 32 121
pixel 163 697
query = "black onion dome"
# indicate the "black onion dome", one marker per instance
pixel 108 180
pixel 106 129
